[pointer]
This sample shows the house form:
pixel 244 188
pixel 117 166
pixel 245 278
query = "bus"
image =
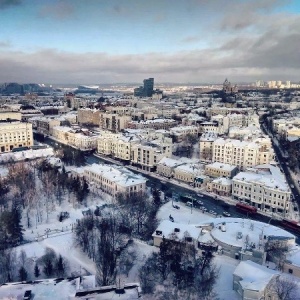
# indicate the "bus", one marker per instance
pixel 245 208
pixel 290 225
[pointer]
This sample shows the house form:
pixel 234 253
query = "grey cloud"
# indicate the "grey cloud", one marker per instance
pixel 190 39
pixel 59 10
pixel 7 3
pixel 5 44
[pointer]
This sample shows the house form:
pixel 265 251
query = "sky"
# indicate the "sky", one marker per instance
pixel 124 41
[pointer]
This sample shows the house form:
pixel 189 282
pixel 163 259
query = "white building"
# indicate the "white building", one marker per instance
pixel 263 187
pixel 243 154
pixel 114 180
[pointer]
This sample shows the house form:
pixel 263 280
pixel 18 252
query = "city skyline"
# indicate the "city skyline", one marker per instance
pixel 65 41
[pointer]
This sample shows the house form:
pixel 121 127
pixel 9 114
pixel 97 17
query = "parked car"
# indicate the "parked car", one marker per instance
pixel 27 295
pixel 200 195
pixel 199 202
pixel 226 214
pixel 189 203
pixel 212 212
pixel 176 206
pixel 204 209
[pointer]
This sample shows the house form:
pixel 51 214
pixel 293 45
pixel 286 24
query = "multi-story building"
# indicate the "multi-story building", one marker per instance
pixel 220 186
pixel 217 169
pixel 263 187
pixel 179 132
pixel 166 166
pixel 188 172
pixel 113 122
pixel 44 125
pixel 9 115
pixel 116 145
pixel 155 124
pixel 243 154
pixel 146 90
pixel 88 116
pixel 83 140
pixel 206 145
pixel 147 154
pixel 114 180
pixel 15 134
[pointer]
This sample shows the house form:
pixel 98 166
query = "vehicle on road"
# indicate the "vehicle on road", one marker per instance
pixel 291 225
pixel 189 203
pixel 199 202
pixel 204 209
pixel 226 214
pixel 212 212
pixel 245 208
pixel 292 186
pixel 200 195
pixel 176 206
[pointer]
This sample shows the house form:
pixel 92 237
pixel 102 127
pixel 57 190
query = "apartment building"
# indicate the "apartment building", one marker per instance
pixel 155 124
pixel 206 143
pixel 188 172
pixel 114 180
pixel 113 122
pixel 116 145
pixel 88 116
pixel 10 115
pixel 220 186
pixel 166 166
pixel 210 126
pixel 44 125
pixel 263 187
pixel 179 132
pixel 218 169
pixel 81 139
pixel 15 134
pixel 243 154
pixel 147 154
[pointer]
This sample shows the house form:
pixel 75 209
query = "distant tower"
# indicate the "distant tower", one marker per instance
pixel 148 87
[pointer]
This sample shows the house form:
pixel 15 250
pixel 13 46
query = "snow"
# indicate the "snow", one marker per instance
pixel 27 154
pixel 254 276
pixel 253 230
pixel 223 166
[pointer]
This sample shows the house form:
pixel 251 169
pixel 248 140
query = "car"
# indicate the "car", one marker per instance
pixel 200 195
pixel 226 214
pixel 212 212
pixel 204 209
pixel 27 295
pixel 292 186
pixel 199 202
pixel 176 206
pixel 189 203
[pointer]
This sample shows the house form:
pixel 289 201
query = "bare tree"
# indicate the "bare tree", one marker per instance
pixel 284 288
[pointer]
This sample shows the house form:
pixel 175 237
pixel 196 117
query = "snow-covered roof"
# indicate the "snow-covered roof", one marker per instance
pixel 252 232
pixel 208 137
pixel 169 162
pixel 222 181
pixel 117 174
pixel 255 277
pixel 267 175
pixel 218 165
pixel 168 228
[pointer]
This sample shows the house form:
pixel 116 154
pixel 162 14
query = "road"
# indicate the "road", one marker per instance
pixel 175 188
pixel 283 166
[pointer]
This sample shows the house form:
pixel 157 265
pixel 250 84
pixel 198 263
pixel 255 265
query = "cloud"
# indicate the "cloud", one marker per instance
pixel 5 44
pixel 190 39
pixel 59 10
pixel 7 3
